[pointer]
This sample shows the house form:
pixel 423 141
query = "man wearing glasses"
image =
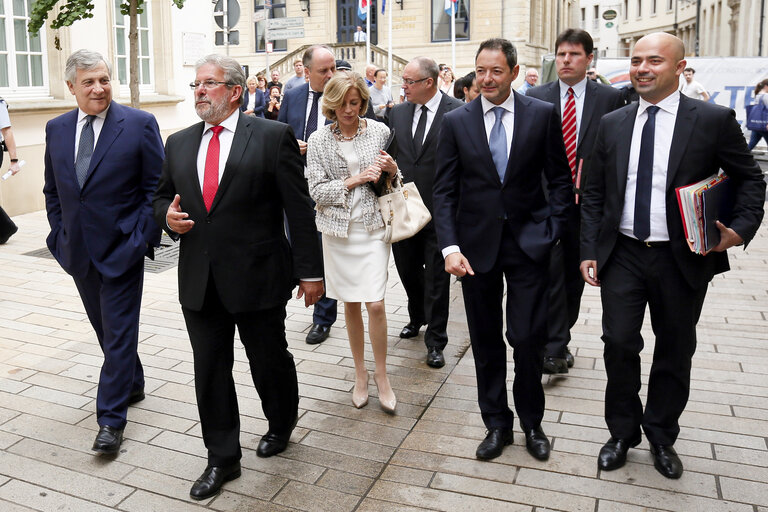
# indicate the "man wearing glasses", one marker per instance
pixel 419 262
pixel 222 192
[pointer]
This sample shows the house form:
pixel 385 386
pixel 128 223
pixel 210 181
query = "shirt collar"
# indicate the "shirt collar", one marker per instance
pixel 668 104
pixel 508 105
pixel 433 102
pixel 82 115
pixel 230 123
pixel 578 89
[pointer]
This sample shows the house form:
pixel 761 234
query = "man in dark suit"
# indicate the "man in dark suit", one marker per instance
pixel 417 124
pixel 301 109
pixel 222 192
pixel 494 222
pixel 581 103
pixel 102 161
pixel 633 244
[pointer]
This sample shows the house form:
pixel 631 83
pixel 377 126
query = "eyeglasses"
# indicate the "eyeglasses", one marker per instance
pixel 208 84
pixel 411 82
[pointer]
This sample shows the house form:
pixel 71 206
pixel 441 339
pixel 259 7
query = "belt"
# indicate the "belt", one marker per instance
pixel 652 245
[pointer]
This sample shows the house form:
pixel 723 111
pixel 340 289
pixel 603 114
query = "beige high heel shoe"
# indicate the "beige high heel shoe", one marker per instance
pixel 360 397
pixel 387 404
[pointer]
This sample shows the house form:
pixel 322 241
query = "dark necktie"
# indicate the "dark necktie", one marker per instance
pixel 211 176
pixel 84 151
pixel 642 227
pixel 498 143
pixel 421 128
pixel 312 121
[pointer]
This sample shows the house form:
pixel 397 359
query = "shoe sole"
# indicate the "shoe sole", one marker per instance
pixel 228 478
pixel 506 443
pixel 105 451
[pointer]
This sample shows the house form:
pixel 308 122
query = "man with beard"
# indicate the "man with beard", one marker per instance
pixel 225 184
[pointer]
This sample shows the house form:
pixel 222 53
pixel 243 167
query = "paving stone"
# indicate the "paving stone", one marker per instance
pixel 406 475
pixel 350 428
pixel 37 407
pixel 315 499
pixel 345 482
pixel 233 502
pixel 436 499
pixel 41 498
pixel 340 444
pixel 371 505
pixel 141 501
pixel 744 491
pixel 7 506
pixel 334 460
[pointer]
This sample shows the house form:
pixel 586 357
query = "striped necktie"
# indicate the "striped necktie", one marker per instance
pixel 569 131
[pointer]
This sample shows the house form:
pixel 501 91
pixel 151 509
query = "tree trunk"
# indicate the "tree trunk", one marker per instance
pixel 133 52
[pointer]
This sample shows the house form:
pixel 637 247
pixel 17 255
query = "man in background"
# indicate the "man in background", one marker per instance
pixel 275 82
pixel 691 87
pixel 531 77
pixel 298 79
pixel 7 226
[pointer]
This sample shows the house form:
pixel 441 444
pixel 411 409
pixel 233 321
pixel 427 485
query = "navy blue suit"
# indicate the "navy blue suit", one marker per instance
pixel 101 233
pixel 258 106
pixel 506 231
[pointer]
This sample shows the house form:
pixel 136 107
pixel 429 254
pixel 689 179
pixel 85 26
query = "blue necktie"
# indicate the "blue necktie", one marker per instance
pixel 84 151
pixel 642 227
pixel 498 143
pixel 312 121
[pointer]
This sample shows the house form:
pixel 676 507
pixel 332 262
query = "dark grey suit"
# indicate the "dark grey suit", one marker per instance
pixel 566 284
pixel 418 259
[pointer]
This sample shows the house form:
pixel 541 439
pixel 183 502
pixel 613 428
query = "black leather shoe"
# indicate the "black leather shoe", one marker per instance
pixel 411 330
pixel 14 229
pixel 318 334
pixel 613 454
pixel 210 482
pixel 272 444
pixel 554 365
pixel 136 396
pixel 108 440
pixel 568 358
pixel 494 443
pixel 666 461
pixel 435 358
pixel 537 444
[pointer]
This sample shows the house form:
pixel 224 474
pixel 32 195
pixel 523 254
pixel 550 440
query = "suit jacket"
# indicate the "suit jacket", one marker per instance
pixel 419 168
pixel 241 242
pixel 706 138
pixel 109 222
pixel 471 204
pixel 258 106
pixel 599 99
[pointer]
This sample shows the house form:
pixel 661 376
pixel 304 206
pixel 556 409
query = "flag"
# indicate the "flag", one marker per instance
pixel 450 4
pixel 383 5
pixel 362 6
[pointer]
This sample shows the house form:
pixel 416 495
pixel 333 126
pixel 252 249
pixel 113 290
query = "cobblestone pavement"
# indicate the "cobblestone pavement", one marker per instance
pixel 341 458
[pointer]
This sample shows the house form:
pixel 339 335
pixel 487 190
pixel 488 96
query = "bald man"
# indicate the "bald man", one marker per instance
pixel 633 245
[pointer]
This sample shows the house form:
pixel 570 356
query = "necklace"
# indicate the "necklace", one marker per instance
pixel 337 131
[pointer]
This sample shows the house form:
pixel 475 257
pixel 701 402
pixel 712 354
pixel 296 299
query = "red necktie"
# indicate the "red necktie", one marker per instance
pixel 211 176
pixel 569 131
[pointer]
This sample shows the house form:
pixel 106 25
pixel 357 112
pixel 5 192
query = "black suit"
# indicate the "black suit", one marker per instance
pixel 418 259
pixel 566 284
pixel 236 268
pixel 670 279
pixel 505 230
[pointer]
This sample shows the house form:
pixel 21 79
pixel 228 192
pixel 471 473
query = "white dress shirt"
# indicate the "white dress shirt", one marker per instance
pixel 489 119
pixel 432 106
pixel 662 143
pixel 97 125
pixel 579 91
pixel 320 116
pixel 225 145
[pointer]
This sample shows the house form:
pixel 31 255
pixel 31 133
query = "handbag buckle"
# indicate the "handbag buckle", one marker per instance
pixel 405 194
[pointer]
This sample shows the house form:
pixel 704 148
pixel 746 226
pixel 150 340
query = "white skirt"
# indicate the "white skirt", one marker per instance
pixel 356 267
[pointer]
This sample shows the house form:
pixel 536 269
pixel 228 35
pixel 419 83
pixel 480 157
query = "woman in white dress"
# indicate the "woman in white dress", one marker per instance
pixel 342 159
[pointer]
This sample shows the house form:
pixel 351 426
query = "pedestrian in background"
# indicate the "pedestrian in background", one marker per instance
pixel 761 95
pixel 7 226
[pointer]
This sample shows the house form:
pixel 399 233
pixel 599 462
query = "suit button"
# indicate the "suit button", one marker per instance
pixel 207 221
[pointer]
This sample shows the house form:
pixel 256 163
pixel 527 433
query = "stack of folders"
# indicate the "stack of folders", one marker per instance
pixel 701 204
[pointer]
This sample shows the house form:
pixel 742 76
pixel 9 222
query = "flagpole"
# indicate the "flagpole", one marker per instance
pixel 389 53
pixel 453 38
pixel 367 32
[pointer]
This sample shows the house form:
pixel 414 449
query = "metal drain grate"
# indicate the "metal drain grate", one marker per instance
pixel 166 256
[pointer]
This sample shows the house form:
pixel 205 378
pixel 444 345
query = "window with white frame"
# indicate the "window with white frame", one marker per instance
pixel 122 53
pixel 22 64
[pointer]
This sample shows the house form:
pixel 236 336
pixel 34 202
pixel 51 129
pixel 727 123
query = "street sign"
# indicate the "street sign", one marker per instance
pixel 233 13
pixel 269 47
pixel 286 33
pixel 259 15
pixel 609 24
pixel 610 14
pixel 276 23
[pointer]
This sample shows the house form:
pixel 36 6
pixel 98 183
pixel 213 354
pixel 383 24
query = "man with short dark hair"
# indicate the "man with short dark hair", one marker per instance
pixel 470 87
pixel 495 222
pixel 224 186
pixel 416 124
pixel 691 87
pixel 275 82
pixel 581 103
pixel 634 247
pixel 102 162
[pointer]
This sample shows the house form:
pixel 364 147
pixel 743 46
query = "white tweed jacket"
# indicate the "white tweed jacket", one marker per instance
pixel 327 170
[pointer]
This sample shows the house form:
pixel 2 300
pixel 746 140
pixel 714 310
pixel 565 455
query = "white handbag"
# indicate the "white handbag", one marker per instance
pixel 403 211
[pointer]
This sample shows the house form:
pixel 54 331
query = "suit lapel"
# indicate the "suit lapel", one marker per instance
pixel 109 131
pixel 68 134
pixel 684 123
pixel 239 143
pixel 553 96
pixel 476 134
pixel 187 155
pixel 590 98
pixel 407 127
pixel 518 133
pixel 624 141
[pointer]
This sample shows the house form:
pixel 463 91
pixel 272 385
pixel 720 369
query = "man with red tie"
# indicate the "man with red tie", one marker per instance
pixel 224 186
pixel 581 103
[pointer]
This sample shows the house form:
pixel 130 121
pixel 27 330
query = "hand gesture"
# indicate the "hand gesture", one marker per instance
pixel 177 220
pixel 458 265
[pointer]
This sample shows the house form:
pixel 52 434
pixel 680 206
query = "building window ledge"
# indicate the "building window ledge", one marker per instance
pixel 58 105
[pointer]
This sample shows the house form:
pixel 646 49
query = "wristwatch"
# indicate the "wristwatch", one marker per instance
pixel 14 160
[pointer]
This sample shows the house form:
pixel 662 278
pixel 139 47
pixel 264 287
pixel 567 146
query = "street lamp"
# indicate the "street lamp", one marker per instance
pixel 304 5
